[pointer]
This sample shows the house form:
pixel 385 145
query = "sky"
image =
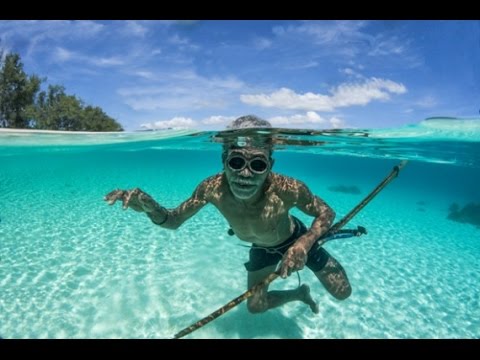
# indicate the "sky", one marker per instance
pixel 300 74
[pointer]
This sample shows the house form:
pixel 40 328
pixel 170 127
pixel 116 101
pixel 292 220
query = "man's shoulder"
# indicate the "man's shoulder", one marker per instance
pixel 210 185
pixel 286 183
pixel 289 189
pixel 282 178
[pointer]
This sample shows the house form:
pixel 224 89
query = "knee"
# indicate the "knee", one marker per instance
pixel 256 307
pixel 343 293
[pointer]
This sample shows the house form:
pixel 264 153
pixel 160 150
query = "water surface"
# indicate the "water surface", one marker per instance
pixel 73 267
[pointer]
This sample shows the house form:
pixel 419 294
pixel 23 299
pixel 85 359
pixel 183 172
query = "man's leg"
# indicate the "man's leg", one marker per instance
pixel 331 275
pixel 263 299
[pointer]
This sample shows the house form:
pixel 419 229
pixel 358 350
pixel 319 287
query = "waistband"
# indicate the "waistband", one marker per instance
pixel 299 228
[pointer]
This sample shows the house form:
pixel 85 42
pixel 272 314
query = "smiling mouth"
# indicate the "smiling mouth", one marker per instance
pixel 243 184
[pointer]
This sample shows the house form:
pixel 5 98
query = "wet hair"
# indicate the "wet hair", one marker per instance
pixel 242 138
pixel 248 121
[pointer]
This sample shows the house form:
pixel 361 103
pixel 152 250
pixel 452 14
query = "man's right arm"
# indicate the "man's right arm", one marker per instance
pixel 140 201
pixel 172 219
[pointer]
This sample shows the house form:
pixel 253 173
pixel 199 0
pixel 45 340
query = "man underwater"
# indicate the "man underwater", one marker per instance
pixel 256 202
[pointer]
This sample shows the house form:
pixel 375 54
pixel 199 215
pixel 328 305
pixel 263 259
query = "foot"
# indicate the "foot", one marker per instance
pixel 307 298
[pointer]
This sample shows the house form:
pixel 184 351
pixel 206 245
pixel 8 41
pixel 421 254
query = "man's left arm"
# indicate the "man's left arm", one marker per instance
pixel 296 256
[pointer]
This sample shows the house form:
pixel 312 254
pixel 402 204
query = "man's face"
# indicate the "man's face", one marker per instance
pixel 246 171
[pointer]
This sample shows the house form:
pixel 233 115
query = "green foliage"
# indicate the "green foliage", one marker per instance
pixel 17 92
pixel 23 106
pixel 55 110
pixel 95 119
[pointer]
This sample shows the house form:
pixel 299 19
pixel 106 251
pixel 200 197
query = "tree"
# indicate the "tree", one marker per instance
pixel 55 110
pixel 23 106
pixel 95 119
pixel 17 92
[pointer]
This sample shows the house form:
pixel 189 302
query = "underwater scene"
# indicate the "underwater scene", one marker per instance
pixel 71 266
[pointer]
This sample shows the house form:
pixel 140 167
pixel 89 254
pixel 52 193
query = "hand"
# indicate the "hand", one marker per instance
pixel 294 259
pixel 135 199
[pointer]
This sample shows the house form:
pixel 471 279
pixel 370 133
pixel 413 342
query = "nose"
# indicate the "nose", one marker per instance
pixel 246 172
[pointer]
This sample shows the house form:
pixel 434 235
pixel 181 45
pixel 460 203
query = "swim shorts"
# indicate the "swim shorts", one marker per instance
pixel 261 257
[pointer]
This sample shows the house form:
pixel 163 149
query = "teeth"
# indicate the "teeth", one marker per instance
pixel 244 183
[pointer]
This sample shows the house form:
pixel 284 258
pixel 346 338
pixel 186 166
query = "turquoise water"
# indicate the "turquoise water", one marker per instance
pixel 73 267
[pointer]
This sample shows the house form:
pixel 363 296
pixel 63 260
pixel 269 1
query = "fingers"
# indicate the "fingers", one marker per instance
pixel 284 270
pixel 293 261
pixel 287 267
pixel 113 196
pixel 128 198
pixel 281 271
pixel 135 199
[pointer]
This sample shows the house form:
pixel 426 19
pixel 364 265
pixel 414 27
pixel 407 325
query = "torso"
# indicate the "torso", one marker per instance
pixel 266 222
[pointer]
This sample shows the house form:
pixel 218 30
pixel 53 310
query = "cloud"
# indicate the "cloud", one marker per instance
pixel 37 33
pixel 304 65
pixel 176 123
pixel 261 43
pixel 63 55
pixel 178 40
pixel 335 38
pixel 135 28
pixel 351 73
pixel 427 102
pixel 182 43
pixel 307 120
pixel 144 74
pixel 99 43
pixel 182 90
pixel 188 101
pixel 347 71
pixel 391 46
pixel 53 28
pixel 324 32
pixel 346 94
pixel 337 123
pixel 310 117
pixel 218 119
pixel 361 94
pixel 351 39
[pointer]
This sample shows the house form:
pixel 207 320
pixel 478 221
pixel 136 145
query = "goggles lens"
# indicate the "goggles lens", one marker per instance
pixel 237 163
pixel 256 165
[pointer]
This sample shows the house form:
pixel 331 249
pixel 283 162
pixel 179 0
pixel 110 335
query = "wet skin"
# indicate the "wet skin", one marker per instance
pixel 256 205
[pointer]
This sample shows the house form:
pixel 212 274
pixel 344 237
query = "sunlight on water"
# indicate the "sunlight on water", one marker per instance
pixel 73 267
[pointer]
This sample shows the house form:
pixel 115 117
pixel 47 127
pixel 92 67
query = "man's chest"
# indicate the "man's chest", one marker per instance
pixel 268 208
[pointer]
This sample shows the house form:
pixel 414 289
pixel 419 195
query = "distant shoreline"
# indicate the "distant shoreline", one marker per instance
pixel 61 131
pixel 32 137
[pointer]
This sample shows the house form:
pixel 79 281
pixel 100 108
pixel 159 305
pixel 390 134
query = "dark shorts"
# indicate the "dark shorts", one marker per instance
pixel 261 257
